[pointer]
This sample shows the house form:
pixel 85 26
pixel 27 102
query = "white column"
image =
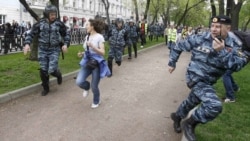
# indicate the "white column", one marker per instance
pixel 87 5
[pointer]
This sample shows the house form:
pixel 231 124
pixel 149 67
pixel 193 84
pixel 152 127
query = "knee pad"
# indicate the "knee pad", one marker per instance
pixel 86 85
pixel 118 63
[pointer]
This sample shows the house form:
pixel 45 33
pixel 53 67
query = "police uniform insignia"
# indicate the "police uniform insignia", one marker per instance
pixel 240 53
pixel 203 49
pixel 215 20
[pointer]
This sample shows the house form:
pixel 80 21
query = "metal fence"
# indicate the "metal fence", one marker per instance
pixel 16 43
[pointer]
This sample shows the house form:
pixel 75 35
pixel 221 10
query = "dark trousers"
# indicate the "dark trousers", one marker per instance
pixel 166 39
pixel 130 50
pixel 143 39
pixel 229 84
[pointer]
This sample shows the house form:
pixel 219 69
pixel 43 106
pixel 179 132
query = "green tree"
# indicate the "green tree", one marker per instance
pixel 146 9
pixel 197 16
pixel 245 16
pixel 136 10
pixel 180 10
pixel 154 10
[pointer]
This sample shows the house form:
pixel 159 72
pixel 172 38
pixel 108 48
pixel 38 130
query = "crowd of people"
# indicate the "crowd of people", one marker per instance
pixel 9 32
pixel 214 52
pixel 14 28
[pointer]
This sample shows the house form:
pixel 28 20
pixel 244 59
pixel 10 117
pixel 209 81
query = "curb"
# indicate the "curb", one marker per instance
pixel 9 96
pixel 32 88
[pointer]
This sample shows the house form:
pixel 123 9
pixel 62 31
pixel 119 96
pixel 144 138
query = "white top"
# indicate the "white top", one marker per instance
pixel 95 39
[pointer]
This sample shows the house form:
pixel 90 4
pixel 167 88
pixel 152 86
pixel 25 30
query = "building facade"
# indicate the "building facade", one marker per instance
pixel 73 12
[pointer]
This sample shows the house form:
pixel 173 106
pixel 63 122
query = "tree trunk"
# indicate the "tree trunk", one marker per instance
pixel 221 7
pixel 106 5
pixel 154 19
pixel 235 11
pixel 146 10
pixel 34 49
pixel 136 10
pixel 213 8
pixel 245 27
pixel 229 6
pixel 56 3
pixel 27 7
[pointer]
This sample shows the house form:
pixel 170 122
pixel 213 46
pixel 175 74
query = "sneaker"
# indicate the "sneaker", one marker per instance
pixel 227 100
pixel 129 58
pixel 141 46
pixel 109 75
pixel 85 93
pixel 93 105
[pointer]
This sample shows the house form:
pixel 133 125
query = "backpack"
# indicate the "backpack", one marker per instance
pixel 245 39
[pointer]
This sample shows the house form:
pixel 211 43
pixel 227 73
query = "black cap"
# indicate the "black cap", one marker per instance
pixel 221 19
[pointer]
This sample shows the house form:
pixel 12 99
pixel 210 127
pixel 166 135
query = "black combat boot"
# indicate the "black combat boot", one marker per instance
pixel 118 63
pixel 135 49
pixel 188 127
pixel 58 75
pixel 45 82
pixel 177 122
pixel 110 65
pixel 129 52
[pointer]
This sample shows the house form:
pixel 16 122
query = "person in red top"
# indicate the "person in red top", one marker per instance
pixel 143 33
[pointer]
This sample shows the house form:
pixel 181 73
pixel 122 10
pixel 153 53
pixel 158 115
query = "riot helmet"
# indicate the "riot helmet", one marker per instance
pixel 50 9
pixel 119 20
pixel 131 21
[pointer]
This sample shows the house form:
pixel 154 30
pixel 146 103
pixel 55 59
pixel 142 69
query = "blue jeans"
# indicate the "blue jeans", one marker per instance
pixel 229 84
pixel 82 83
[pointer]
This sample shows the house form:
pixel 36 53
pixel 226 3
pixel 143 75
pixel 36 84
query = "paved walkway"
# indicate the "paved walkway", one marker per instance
pixel 136 103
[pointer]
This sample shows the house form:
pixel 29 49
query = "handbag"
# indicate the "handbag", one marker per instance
pixel 91 63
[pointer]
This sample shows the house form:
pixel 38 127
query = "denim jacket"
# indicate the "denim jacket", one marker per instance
pixel 104 70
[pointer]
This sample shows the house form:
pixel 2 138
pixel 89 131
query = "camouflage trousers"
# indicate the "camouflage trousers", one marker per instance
pixel 116 52
pixel 204 95
pixel 48 58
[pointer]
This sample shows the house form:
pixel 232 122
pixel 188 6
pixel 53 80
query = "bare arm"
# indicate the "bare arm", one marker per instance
pixel 100 50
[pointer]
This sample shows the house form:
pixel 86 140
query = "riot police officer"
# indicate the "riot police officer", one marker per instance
pixel 117 41
pixel 213 53
pixel 132 37
pixel 51 33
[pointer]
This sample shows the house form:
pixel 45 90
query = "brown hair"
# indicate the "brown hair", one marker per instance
pixel 97 24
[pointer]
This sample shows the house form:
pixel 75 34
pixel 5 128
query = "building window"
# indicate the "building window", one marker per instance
pixel 2 19
pixel 74 3
pixel 90 5
pixel 83 3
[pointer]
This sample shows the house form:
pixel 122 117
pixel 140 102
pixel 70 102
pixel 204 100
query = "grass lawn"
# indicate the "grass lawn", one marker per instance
pixel 233 123
pixel 17 71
